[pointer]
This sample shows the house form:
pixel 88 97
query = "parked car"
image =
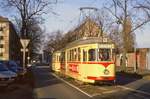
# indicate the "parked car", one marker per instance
pixel 13 66
pixel 6 76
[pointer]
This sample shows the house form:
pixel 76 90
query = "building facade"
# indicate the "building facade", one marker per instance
pixel 139 59
pixel 9 41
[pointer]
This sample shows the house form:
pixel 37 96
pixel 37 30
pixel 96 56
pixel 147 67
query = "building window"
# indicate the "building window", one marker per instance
pixel 1 29
pixel 1 54
pixel 1 45
pixel 1 37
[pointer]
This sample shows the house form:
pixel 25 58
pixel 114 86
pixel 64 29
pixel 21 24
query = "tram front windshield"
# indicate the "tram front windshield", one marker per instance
pixel 101 54
pixel 104 54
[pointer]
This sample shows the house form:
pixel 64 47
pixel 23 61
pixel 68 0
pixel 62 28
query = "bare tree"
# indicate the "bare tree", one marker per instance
pixel 27 10
pixel 115 35
pixel 104 21
pixel 54 41
pixel 132 15
pixel 36 35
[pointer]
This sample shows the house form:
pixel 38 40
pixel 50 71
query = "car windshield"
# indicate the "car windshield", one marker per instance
pixel 11 63
pixel 3 68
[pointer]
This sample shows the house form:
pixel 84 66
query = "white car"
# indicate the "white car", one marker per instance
pixel 6 76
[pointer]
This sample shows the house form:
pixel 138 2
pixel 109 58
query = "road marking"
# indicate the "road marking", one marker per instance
pixel 73 86
pixel 110 91
pixel 134 90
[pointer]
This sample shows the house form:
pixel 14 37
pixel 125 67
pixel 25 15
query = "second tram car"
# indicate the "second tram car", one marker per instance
pixel 56 61
pixel 88 59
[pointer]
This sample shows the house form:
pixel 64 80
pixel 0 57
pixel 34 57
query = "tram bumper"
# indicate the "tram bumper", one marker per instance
pixel 102 78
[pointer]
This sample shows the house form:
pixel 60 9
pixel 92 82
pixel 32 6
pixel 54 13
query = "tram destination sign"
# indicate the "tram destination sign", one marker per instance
pixel 106 45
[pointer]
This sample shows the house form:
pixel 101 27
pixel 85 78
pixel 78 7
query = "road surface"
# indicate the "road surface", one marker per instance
pixel 49 87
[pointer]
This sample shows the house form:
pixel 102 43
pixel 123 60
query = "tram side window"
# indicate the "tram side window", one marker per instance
pixel 79 54
pixel 92 55
pixel 62 57
pixel 75 54
pixel 84 55
pixel 70 55
pixel 54 58
pixel 104 54
pixel 57 58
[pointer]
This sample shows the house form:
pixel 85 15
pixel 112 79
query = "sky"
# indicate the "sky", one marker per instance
pixel 68 14
pixel 68 17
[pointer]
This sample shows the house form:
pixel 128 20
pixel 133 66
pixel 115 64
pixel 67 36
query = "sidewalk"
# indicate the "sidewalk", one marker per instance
pixel 20 89
pixel 130 70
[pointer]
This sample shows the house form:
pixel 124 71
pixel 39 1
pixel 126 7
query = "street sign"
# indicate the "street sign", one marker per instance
pixel 26 50
pixel 24 42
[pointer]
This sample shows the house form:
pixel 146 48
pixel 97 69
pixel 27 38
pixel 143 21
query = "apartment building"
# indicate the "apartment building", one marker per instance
pixel 9 41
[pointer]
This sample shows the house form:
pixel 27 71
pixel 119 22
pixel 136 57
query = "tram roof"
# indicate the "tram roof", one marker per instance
pixel 90 40
pixel 58 51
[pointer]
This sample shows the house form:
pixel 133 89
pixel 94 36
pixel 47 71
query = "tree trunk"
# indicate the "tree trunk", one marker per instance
pixel 124 60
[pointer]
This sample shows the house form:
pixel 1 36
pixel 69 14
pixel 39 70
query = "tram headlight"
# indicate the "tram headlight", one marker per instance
pixel 106 71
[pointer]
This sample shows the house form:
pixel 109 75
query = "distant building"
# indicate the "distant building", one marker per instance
pixel 140 59
pixel 46 57
pixel 9 41
pixel 143 57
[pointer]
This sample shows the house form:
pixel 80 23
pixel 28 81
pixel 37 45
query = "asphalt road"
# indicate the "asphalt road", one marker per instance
pixel 48 86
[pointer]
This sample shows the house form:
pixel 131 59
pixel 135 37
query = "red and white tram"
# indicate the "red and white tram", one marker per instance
pixel 88 59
